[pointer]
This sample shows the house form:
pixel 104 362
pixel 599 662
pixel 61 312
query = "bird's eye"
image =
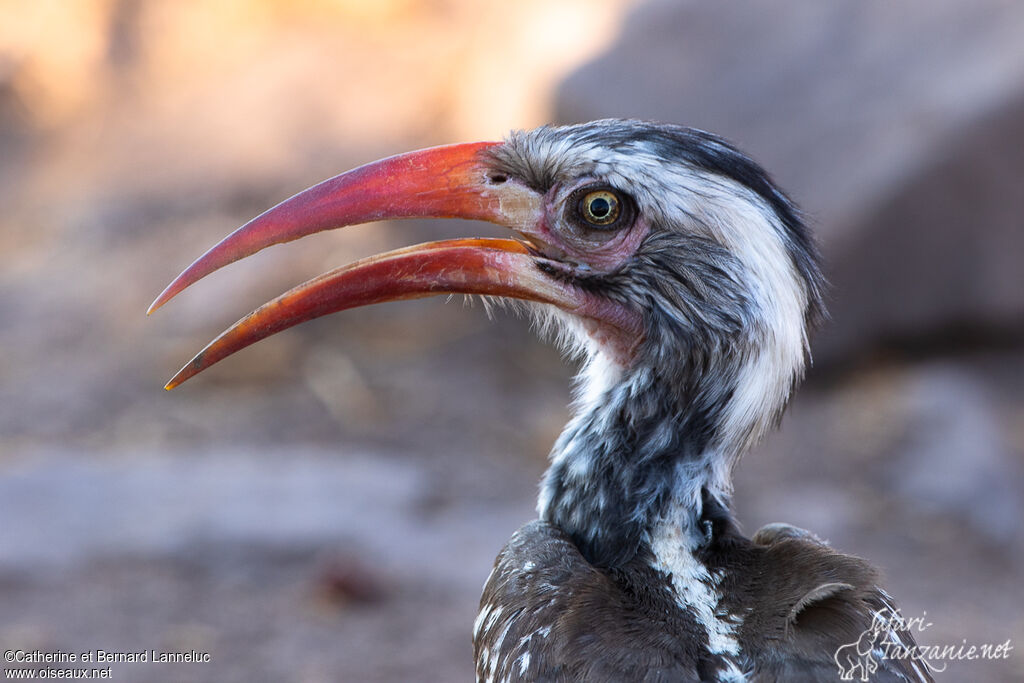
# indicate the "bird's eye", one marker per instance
pixel 600 207
pixel 598 210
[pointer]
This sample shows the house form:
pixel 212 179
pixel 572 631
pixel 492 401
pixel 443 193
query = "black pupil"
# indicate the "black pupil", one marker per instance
pixel 600 207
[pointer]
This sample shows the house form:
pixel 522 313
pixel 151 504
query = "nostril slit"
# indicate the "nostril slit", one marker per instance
pixel 498 179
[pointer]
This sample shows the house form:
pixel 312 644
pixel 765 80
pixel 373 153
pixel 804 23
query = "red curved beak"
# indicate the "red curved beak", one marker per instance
pixel 452 182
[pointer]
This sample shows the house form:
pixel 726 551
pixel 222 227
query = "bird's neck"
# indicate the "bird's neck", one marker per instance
pixel 634 467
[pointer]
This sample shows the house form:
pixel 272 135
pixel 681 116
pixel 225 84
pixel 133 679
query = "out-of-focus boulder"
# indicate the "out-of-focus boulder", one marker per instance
pixel 898 126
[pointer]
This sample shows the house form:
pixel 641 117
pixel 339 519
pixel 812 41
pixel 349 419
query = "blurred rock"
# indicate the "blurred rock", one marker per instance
pixel 933 443
pixel 898 126
pixel 955 459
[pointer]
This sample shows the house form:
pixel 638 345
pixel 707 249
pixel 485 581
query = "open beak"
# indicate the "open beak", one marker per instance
pixel 443 182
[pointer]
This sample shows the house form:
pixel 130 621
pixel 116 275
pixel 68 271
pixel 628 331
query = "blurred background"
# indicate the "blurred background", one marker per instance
pixel 326 505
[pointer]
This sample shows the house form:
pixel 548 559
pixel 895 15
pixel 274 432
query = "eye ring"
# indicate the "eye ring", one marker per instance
pixel 600 208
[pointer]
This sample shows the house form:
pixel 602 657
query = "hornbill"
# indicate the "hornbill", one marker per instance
pixel 688 283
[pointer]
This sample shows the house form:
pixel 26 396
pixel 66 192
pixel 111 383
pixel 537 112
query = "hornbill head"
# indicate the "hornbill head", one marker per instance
pixel 666 253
